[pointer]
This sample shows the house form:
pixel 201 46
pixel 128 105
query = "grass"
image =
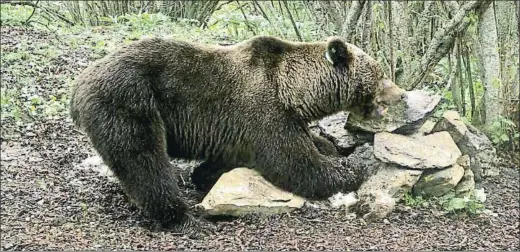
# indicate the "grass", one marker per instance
pixel 450 204
pixel 39 66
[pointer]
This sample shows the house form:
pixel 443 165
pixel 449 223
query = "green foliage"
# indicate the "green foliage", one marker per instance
pixel 84 209
pixel 139 21
pixel 472 205
pixel 9 104
pixel 445 106
pixel 115 12
pixel 31 65
pixel 502 131
pixel 451 203
pixel 415 201
pixel 236 25
pixel 14 15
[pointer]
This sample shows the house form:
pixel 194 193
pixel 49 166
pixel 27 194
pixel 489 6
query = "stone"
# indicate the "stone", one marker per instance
pixel 464 161
pixel 481 152
pixel 364 162
pixel 425 129
pixel 466 186
pixel 435 183
pixel 453 124
pixel 471 142
pixel 391 179
pixel 383 184
pixel 378 194
pixel 243 191
pixel 403 118
pixel 333 128
pixel 428 152
pixel 376 205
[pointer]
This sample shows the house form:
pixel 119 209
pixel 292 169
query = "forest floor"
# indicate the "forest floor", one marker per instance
pixel 48 202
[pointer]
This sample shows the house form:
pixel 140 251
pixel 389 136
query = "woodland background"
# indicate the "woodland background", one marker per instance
pixel 51 198
pixel 467 50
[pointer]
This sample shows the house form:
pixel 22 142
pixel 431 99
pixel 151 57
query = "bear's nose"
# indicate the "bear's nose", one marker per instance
pixel 403 96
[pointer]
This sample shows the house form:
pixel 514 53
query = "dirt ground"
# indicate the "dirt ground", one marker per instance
pixel 48 202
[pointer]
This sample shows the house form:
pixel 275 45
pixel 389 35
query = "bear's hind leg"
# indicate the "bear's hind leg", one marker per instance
pixel 133 146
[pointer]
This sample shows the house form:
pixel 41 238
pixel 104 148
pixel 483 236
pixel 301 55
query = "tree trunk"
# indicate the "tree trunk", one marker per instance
pixel 442 41
pixel 422 37
pixel 467 64
pixel 518 73
pixel 452 83
pixel 349 27
pixel 392 41
pixel 490 62
pixel 367 28
pixel 462 106
pixel 401 35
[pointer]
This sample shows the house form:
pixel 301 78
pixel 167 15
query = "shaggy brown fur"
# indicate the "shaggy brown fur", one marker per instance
pixel 247 104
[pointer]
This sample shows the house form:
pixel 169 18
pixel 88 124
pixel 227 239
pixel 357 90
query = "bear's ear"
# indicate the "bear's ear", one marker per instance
pixel 338 53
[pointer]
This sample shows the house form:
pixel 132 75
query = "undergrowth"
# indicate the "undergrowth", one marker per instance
pixel 450 203
pixel 40 65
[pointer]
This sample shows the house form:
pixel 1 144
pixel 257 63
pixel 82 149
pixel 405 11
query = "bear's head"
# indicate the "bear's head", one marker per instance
pixel 369 91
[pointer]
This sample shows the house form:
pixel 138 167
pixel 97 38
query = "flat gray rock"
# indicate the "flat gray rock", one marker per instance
pixel 383 184
pixel 453 124
pixel 437 150
pixel 435 183
pixel 466 185
pixel 379 194
pixel 243 191
pixel 425 129
pixel 482 154
pixel 471 142
pixel 403 118
pixel 333 128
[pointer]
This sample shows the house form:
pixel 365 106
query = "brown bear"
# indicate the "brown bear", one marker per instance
pixel 247 104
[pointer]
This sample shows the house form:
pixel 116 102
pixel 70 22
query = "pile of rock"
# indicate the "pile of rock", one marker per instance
pixel 412 153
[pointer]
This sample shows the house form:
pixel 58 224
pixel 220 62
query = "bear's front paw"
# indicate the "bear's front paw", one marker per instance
pixel 348 177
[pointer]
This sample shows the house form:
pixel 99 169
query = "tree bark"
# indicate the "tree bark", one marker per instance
pixel 452 83
pixel 490 62
pixel 506 28
pixel 292 21
pixel 367 28
pixel 462 89
pixel 443 40
pixel 392 42
pixel 518 73
pixel 467 64
pixel 403 50
pixel 335 12
pixel 349 27
pixel 453 7
pixel 424 25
